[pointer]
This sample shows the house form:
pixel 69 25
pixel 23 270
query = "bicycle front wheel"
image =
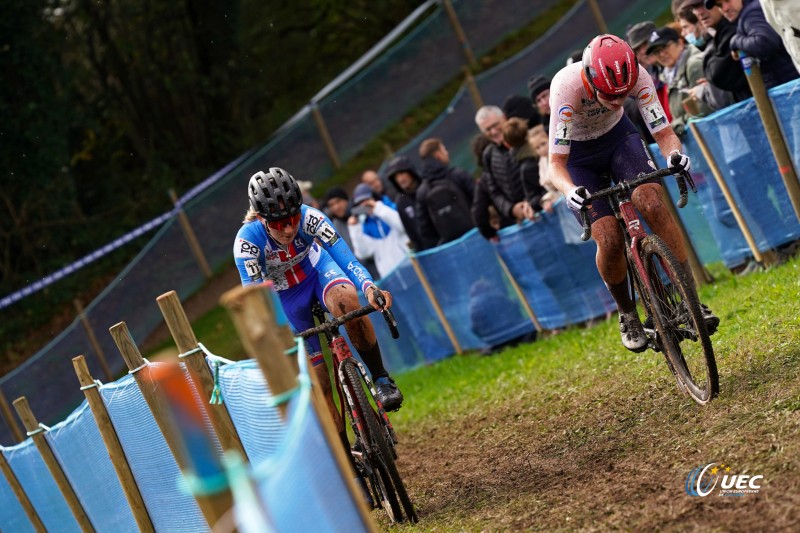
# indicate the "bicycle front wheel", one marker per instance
pixel 388 483
pixel 679 322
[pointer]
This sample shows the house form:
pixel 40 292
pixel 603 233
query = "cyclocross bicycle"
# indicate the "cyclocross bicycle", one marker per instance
pixel 373 449
pixel 674 323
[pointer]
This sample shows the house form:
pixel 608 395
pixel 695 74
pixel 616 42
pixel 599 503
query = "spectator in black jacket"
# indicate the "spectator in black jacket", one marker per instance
pixel 446 217
pixel 515 136
pixel 756 38
pixel 403 175
pixel 502 176
pixel 487 218
pixel 720 69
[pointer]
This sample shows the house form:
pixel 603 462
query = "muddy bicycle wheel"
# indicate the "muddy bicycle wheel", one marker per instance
pixel 679 322
pixel 388 484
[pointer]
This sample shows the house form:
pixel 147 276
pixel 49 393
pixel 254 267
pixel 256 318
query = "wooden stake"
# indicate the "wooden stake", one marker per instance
pixel 460 35
pixel 520 294
pixel 767 258
pixel 32 425
pixel 191 238
pixel 250 309
pixel 598 16
pixel 472 87
pixel 326 136
pixel 776 141
pixel 5 409
pixel 19 492
pixel 185 340
pixel 98 350
pixel 212 506
pixel 113 446
pixel 436 307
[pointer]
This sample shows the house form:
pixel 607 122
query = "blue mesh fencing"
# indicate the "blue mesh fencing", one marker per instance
pixel 79 448
pixel 40 487
pixel 735 136
pixel 302 485
pixel 170 506
pixel 248 399
pixel 12 515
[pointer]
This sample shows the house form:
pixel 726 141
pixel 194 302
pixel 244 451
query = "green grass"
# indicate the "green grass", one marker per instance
pixel 582 402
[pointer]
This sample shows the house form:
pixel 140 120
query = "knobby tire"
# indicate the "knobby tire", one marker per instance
pixel 681 328
pixel 375 437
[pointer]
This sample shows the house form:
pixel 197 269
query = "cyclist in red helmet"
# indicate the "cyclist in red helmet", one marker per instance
pixel 591 139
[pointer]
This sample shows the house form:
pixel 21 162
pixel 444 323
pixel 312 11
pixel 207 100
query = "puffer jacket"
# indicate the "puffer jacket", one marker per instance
pixel 720 68
pixel 502 178
pixel 755 37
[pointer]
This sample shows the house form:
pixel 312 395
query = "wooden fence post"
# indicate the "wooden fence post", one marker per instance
pixel 519 293
pixel 5 410
pixel 766 258
pixel 460 35
pixel 472 87
pixel 37 434
pixel 113 446
pixel 98 350
pixel 326 136
pixel 191 238
pixel 436 307
pixel 773 131
pixel 213 506
pixel 250 309
pixel 598 16
pixel 185 340
pixel 19 492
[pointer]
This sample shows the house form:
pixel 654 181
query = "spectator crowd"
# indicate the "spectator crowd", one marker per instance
pixel 695 63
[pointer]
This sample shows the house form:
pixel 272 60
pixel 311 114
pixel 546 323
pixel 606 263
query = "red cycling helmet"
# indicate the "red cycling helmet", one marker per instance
pixel 610 65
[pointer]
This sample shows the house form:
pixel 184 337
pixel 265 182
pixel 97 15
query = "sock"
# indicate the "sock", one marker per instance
pixel 372 358
pixel 620 293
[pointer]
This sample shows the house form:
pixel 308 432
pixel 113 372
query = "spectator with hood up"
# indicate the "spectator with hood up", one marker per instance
pixel 403 175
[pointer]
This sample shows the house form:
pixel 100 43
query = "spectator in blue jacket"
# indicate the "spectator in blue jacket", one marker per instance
pixel 755 37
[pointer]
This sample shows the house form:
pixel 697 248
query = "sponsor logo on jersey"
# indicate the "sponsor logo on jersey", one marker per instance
pixel 566 113
pixel 562 137
pixel 312 220
pixel 645 96
pixel 247 248
pixel 358 272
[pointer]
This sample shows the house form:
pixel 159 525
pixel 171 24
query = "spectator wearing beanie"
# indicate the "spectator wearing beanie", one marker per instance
pixel 518 106
pixel 539 89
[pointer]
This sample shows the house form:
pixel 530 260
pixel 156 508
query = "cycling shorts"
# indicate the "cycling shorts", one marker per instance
pixel 297 300
pixel 620 153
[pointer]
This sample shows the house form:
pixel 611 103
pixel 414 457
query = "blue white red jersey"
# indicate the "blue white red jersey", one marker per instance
pixel 259 257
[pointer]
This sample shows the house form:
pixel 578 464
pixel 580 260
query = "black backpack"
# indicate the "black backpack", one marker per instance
pixel 449 209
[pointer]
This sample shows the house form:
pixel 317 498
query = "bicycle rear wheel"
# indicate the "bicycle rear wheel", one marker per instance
pixel 679 322
pixel 388 484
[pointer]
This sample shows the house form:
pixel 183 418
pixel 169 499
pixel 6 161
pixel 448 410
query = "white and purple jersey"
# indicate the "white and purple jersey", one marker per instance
pixel 576 115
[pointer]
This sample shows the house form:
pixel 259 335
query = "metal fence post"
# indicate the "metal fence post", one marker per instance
pixel 191 238
pixel 460 35
pixel 773 131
